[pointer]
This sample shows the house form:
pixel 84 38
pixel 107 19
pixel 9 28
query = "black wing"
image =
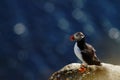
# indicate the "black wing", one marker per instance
pixel 89 55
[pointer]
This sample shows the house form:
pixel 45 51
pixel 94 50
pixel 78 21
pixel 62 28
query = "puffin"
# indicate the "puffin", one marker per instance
pixel 84 51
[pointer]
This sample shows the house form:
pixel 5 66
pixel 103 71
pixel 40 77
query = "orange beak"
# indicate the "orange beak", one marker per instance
pixel 72 38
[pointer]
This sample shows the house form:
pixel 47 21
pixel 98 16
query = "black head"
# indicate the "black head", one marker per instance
pixel 77 36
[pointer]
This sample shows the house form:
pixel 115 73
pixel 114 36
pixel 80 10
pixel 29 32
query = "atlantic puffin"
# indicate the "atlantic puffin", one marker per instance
pixel 84 51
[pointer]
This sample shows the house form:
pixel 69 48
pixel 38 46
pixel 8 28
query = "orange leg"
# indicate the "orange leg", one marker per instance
pixel 82 69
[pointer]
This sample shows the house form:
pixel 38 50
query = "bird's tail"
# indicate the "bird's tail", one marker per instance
pixel 97 61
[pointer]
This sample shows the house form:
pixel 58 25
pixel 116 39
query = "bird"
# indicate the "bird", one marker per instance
pixel 84 51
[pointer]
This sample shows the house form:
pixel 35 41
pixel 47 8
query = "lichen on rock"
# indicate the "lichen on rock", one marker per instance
pixel 71 72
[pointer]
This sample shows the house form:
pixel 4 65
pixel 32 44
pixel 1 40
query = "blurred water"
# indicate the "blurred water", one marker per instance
pixel 34 34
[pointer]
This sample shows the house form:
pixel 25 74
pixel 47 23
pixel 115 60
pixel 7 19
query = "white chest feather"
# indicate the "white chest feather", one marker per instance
pixel 78 52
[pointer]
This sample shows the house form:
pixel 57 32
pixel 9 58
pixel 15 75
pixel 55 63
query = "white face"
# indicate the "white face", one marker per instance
pixel 78 36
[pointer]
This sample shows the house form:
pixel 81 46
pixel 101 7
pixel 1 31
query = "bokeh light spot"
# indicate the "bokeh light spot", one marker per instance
pixel 89 29
pixel 63 24
pixel 19 28
pixel 114 33
pixel 49 7
pixel 78 14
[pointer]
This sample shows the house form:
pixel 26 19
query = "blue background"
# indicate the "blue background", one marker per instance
pixel 34 34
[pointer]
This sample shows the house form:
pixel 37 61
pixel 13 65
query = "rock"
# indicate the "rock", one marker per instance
pixel 71 72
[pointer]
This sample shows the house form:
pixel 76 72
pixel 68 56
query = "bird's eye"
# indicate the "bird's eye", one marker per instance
pixel 77 35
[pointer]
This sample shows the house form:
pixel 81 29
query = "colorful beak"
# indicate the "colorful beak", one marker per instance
pixel 72 38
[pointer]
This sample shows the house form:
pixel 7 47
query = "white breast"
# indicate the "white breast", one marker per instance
pixel 78 52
